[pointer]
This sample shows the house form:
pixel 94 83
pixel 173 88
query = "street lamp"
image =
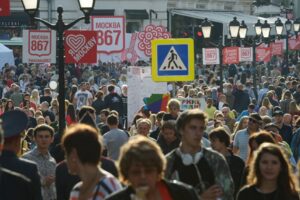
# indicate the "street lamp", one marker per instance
pixel 206 28
pixel 261 30
pixel 278 26
pixel 296 26
pixel 266 29
pixel 243 30
pixel 234 27
pixel 86 6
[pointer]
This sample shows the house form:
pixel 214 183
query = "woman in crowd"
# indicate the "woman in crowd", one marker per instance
pixel 284 103
pixel 293 108
pixel 168 138
pixel 35 97
pixel 270 176
pixel 266 102
pixel 242 124
pixel 83 147
pixel 173 110
pixel 70 114
pixel 9 105
pixel 133 127
pixel 141 166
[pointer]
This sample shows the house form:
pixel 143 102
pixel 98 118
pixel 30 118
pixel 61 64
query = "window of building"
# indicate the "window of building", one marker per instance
pixel 133 26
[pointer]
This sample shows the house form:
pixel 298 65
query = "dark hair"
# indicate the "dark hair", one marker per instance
pixel 85 109
pixel 260 138
pixel 110 88
pixel 71 111
pixel 170 124
pixel 43 127
pixel 188 115
pixel 160 115
pixel 85 116
pixel 112 120
pixel 85 140
pixel 220 134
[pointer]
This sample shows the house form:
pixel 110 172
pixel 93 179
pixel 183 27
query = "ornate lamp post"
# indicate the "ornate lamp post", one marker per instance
pixel 86 6
pixel 261 31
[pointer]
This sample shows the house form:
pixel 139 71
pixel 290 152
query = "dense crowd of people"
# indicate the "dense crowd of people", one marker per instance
pixel 244 143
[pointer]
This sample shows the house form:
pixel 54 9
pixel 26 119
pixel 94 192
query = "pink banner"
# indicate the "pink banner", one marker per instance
pixel 230 55
pixel 263 54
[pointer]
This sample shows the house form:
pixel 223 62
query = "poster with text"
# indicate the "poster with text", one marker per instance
pixel 211 56
pixel 276 48
pixel 39 46
pixel 230 55
pixel 80 47
pixel 263 54
pixel 110 33
pixel 246 54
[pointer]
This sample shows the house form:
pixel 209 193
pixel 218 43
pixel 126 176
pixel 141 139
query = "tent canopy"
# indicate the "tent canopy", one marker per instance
pixel 6 56
pixel 224 18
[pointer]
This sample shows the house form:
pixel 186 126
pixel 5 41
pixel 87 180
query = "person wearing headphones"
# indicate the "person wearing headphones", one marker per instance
pixel 202 168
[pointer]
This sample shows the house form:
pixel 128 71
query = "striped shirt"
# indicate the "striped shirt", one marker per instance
pixel 106 185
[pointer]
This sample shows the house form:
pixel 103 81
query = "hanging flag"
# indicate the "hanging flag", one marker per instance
pixel 4 8
pixel 157 102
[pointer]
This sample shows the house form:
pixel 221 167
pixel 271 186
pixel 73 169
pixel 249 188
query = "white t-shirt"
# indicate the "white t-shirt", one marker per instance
pixel 82 98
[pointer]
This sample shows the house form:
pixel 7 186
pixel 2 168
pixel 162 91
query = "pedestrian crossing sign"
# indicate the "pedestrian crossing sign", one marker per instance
pixel 173 60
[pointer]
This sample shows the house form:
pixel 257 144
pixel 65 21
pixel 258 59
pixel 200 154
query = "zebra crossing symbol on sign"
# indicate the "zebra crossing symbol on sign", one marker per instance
pixel 172 61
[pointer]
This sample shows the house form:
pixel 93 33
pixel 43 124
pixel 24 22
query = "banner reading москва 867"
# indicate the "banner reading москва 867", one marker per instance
pixel 110 33
pixel 39 46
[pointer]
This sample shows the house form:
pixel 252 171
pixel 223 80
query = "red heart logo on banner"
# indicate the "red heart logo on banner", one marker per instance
pixel 75 42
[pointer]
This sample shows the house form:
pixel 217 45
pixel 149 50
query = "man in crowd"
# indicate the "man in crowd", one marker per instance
pixel 83 97
pixel 113 101
pixel 11 147
pixel 285 131
pixel 240 143
pixel 204 169
pixel 14 185
pixel 43 136
pixel 114 138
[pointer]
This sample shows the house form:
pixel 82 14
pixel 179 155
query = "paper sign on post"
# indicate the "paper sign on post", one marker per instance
pixel 294 44
pixel 39 46
pixel 110 33
pixel 230 55
pixel 263 54
pixel 80 47
pixel 211 56
pixel 276 48
pixel 246 54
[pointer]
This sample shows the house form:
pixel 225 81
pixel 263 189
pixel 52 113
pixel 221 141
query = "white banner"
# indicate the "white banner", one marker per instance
pixel 246 54
pixel 110 33
pixel 141 85
pixel 39 46
pixel 211 56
